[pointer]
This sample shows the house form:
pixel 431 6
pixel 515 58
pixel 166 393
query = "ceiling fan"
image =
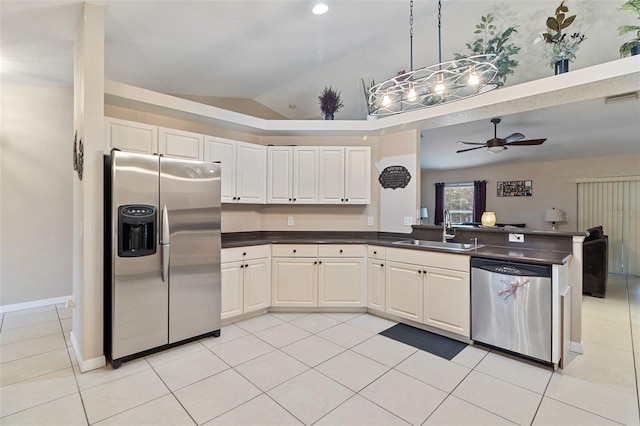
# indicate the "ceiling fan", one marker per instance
pixel 500 144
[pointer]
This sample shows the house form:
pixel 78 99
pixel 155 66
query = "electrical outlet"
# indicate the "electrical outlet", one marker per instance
pixel 290 220
pixel 370 220
pixel 408 220
pixel 516 238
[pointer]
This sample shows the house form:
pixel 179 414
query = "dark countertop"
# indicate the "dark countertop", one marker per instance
pixel 530 255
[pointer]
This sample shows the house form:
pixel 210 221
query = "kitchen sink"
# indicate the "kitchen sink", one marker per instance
pixel 439 245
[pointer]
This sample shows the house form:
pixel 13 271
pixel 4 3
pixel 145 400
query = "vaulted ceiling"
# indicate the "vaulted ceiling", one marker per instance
pixel 281 55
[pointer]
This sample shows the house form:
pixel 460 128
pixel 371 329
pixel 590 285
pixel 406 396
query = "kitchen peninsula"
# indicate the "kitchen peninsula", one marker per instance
pixel 376 272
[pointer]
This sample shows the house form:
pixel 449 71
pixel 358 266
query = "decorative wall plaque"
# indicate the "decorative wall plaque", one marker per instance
pixel 514 188
pixel 394 177
pixel 78 155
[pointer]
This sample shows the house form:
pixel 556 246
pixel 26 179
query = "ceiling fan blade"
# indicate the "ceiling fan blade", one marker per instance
pixel 528 142
pixel 470 149
pixel 514 137
pixel 473 143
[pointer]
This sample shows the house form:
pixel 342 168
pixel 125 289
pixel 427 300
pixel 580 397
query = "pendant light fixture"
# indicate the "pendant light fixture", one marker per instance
pixel 435 84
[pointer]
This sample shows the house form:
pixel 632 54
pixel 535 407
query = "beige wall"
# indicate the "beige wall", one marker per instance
pixel 399 149
pixel 244 106
pixel 554 185
pixel 36 192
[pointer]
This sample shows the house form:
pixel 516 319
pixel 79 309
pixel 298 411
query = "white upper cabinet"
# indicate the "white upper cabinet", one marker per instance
pixel 130 136
pixel 292 175
pixel 180 144
pixel 345 175
pixel 357 175
pixel 243 169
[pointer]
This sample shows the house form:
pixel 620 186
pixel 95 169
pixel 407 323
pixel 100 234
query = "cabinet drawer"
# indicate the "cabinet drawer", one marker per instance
pixel 376 252
pixel 457 262
pixel 244 253
pixel 294 250
pixel 341 250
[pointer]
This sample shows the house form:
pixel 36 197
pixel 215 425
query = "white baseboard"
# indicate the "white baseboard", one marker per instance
pixel 576 347
pixel 33 304
pixel 89 364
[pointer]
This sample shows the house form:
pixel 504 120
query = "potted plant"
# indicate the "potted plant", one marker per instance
pixel 371 108
pixel 560 47
pixel 330 102
pixel 491 40
pixel 631 47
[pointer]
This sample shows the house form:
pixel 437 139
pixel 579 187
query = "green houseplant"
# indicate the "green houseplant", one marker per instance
pixel 367 91
pixel 492 40
pixel 560 46
pixel 330 102
pixel 631 47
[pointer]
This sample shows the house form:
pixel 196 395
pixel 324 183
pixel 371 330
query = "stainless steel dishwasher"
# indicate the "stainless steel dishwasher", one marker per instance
pixel 511 306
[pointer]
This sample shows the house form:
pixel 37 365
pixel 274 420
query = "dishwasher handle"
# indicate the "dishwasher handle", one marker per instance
pixel 512 268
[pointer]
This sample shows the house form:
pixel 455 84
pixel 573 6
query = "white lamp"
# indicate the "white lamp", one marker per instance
pixel 424 214
pixel 554 215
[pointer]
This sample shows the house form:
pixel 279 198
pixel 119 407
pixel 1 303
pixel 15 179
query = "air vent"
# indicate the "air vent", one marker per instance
pixel 630 96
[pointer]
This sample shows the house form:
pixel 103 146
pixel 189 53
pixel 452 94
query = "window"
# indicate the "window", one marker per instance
pixel 458 199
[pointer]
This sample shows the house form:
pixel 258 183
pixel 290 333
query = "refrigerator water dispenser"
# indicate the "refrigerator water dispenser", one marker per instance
pixel 136 230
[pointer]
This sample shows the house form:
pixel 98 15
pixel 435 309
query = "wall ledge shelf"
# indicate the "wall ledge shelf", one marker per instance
pixel 598 81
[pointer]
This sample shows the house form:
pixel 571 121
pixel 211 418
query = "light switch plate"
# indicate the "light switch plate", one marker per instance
pixel 370 220
pixel 290 220
pixel 408 220
pixel 516 238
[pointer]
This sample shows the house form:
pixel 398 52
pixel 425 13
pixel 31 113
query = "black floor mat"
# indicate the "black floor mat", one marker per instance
pixel 433 343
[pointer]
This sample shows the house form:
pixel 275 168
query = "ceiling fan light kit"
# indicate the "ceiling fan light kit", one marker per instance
pixel 497 144
pixel 436 84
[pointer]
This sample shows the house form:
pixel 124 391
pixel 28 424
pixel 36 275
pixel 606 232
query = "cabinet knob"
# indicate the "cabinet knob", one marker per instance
pixel 375 252
pixel 382 265
pixel 341 251
pixel 320 261
pixel 294 250
pixel 246 266
pixel 420 271
pixel 290 199
pixel 315 262
pixel 342 199
pixel 294 199
pixel 346 199
pixel 242 266
pixel 238 198
pixel 244 254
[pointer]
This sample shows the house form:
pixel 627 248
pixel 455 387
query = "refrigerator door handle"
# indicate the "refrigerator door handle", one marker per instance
pixel 165 244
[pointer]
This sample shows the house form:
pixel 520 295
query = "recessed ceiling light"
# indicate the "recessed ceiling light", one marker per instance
pixel 320 9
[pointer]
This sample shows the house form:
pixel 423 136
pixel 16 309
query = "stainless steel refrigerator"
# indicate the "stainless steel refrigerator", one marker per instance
pixel 162 253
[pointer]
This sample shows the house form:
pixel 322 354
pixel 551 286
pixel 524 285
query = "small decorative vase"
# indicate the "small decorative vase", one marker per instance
pixel 328 117
pixel 562 66
pixel 635 50
pixel 488 219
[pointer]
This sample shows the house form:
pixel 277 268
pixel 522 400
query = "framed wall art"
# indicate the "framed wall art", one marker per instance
pixel 515 188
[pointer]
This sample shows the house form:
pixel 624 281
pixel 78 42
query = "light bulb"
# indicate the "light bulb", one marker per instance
pixel 473 78
pixel 320 9
pixel 439 89
pixel 386 100
pixel 412 95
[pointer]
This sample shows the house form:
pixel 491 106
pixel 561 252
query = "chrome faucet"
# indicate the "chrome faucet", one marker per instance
pixel 446 223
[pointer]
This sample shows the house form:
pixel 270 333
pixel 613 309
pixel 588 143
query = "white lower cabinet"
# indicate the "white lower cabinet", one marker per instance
pixel 376 278
pixel 311 275
pixel 404 290
pixel 434 289
pixel 245 283
pixel 447 301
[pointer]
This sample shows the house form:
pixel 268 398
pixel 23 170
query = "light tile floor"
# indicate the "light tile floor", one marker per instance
pixel 324 369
